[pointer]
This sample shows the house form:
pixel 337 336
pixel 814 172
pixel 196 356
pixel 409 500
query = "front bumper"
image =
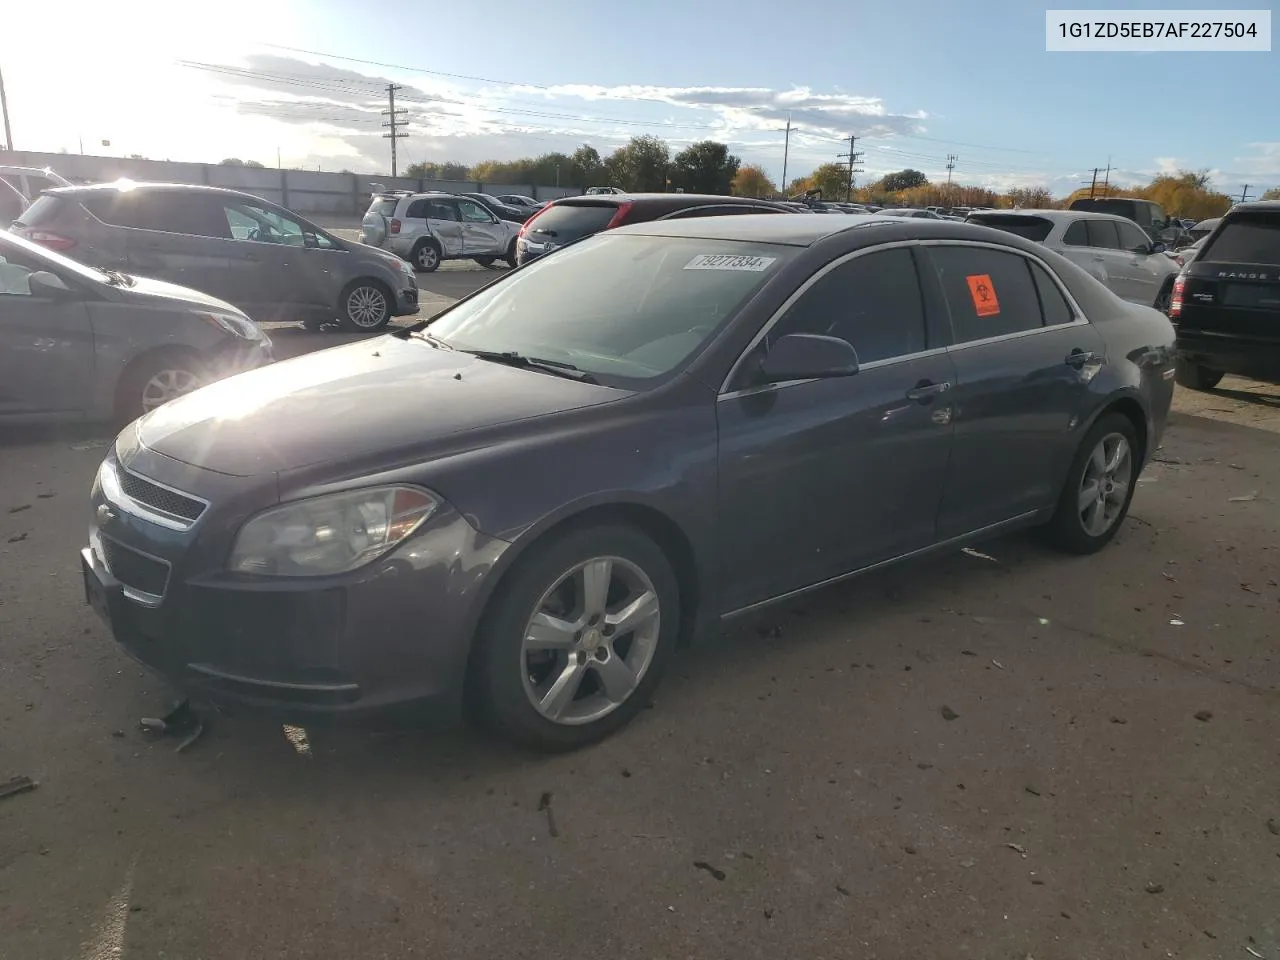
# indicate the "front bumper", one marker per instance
pixel 393 634
pixel 406 301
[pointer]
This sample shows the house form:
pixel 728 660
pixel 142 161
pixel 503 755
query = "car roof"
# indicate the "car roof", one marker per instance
pixel 1255 206
pixel 806 229
pixel 1054 215
pixel 131 186
pixel 676 200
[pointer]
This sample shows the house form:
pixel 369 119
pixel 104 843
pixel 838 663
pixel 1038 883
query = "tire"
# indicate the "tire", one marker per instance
pixel 365 306
pixel 509 675
pixel 1193 376
pixel 1163 298
pixel 511 256
pixel 425 256
pixel 153 380
pixel 485 262
pixel 1081 529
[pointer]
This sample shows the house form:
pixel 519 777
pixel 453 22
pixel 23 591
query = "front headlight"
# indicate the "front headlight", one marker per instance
pixel 330 534
pixel 241 327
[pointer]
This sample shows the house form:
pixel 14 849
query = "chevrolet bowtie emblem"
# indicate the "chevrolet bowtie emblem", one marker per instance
pixel 104 514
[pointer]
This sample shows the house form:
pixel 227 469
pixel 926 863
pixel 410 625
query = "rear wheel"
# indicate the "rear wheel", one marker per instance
pixel 1099 487
pixel 365 305
pixel 153 381
pixel 576 639
pixel 425 257
pixel 1194 376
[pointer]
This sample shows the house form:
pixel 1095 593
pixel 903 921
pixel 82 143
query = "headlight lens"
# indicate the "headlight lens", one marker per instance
pixel 241 327
pixel 330 534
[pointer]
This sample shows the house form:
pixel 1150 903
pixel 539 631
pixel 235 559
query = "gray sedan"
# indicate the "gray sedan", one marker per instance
pixel 527 503
pixel 77 343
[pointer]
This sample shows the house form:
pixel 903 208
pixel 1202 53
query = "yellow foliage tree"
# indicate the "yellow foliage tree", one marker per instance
pixel 1183 194
pixel 831 178
pixel 752 181
pixel 1272 194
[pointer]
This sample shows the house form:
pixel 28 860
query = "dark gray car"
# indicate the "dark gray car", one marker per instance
pixel 530 501
pixel 271 263
pixel 78 343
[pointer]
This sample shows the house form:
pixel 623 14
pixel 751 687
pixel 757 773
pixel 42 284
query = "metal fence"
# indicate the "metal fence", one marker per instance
pixel 309 192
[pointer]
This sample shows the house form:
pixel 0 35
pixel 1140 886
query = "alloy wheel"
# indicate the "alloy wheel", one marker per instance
pixel 590 640
pixel 428 257
pixel 166 385
pixel 366 307
pixel 1104 485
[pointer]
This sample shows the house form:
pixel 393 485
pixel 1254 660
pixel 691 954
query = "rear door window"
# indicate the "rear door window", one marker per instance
pixel 1030 228
pixel 1077 235
pixel 442 210
pixel 1053 305
pixel 1247 238
pixel 1133 239
pixel 566 222
pixel 989 293
pixel 417 210
pixel 1103 234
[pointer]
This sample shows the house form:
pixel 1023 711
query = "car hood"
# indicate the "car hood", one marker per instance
pixel 354 403
pixel 149 290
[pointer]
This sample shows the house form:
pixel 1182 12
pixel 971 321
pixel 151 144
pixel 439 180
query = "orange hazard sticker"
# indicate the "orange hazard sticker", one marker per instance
pixel 983 292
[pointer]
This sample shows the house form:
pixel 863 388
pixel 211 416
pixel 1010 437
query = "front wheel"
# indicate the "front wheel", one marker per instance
pixel 576 639
pixel 1099 487
pixel 153 381
pixel 1194 376
pixel 365 306
pixel 511 255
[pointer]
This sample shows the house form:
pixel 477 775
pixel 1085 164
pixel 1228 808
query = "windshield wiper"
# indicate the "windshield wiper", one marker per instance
pixel 513 359
pixel 116 278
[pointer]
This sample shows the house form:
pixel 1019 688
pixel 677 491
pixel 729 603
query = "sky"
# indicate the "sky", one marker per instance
pixel 301 83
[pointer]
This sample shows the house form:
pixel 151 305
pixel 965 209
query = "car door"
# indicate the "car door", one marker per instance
pixel 1104 245
pixel 822 477
pixel 1024 359
pixel 482 233
pixel 1145 271
pixel 445 224
pixel 46 343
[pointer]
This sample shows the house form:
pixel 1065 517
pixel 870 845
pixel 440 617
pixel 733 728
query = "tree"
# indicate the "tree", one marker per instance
pixel 1029 198
pixel 453 171
pixel 586 168
pixel 231 162
pixel 641 166
pixel 903 180
pixel 752 181
pixel 831 178
pixel 255 165
pixel 705 167
pixel 1272 194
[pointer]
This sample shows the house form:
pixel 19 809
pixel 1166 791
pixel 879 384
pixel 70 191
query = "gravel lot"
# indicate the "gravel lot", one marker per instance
pixel 1108 785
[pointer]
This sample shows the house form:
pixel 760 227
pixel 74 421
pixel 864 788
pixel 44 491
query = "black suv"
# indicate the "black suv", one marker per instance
pixel 571 218
pixel 1226 302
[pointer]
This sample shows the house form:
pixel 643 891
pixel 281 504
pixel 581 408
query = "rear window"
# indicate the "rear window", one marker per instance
pixel 1248 238
pixel 43 211
pixel 564 222
pixel 1029 228
pixel 384 206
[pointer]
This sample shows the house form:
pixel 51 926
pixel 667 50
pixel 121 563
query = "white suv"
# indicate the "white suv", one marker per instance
pixel 427 228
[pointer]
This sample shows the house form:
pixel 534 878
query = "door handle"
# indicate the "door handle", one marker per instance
pixel 924 391
pixel 1078 358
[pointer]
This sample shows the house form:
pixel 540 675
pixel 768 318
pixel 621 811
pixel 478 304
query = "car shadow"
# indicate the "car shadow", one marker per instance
pixel 1249 396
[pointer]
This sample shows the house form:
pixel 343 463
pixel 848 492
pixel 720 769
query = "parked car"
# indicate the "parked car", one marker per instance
pixel 503 211
pixel 519 200
pixel 32 181
pixel 910 212
pixel 605 191
pixel 1186 254
pixel 12 204
pixel 1226 301
pixel 658 429
pixel 1203 228
pixel 1148 215
pixel 77 343
pixel 1112 248
pixel 271 263
pixel 428 228
pixel 569 219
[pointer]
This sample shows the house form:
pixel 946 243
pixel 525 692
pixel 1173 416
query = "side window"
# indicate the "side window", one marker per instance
pixel 13 279
pixel 1103 233
pixel 441 210
pixel 417 210
pixel 873 301
pixel 989 293
pixel 1133 239
pixel 1053 304
pixel 136 209
pixel 1076 235
pixel 11 204
pixel 472 212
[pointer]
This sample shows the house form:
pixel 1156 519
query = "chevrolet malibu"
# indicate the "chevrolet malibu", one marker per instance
pixel 523 506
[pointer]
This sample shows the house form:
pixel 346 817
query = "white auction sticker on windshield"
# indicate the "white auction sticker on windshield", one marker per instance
pixel 729 261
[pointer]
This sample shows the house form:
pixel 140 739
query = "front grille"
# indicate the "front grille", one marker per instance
pixel 136 570
pixel 160 498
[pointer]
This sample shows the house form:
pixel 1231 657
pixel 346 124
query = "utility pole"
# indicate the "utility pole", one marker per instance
pixel 394 120
pixel 1244 193
pixel 786 149
pixel 852 158
pixel 4 108
pixel 1106 180
pixel 951 165
pixel 1093 186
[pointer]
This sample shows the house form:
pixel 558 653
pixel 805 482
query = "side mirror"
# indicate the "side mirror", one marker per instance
pixel 42 283
pixel 808 356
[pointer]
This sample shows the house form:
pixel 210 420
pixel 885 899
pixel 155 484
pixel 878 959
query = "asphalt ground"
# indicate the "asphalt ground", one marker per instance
pixel 1107 786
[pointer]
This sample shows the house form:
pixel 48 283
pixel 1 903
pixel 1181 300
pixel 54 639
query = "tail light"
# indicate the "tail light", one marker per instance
pixel 524 227
pixel 394 226
pixel 1175 298
pixel 617 218
pixel 54 241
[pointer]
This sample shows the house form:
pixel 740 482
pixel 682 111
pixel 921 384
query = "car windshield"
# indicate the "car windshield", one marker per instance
pixel 626 309
pixel 1248 239
pixel 1032 228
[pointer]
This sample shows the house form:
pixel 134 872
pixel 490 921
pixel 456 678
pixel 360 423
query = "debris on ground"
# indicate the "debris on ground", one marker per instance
pixel 1168 576
pixel 20 508
pixel 1155 888
pixel 298 737
pixel 1274 826
pixel 91 445
pixel 1247 498
pixel 1032 790
pixel 15 786
pixel 703 865
pixel 997 664
pixel 1120 720
pixel 1017 848
pixel 181 721
pixel 544 806
pixel 842 890
pixel 909 849
pixel 968 653
pixel 626 772
pixel 18 538
pixel 969 551
pixel 948 713
pixel 1204 716
pixel 1176 622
